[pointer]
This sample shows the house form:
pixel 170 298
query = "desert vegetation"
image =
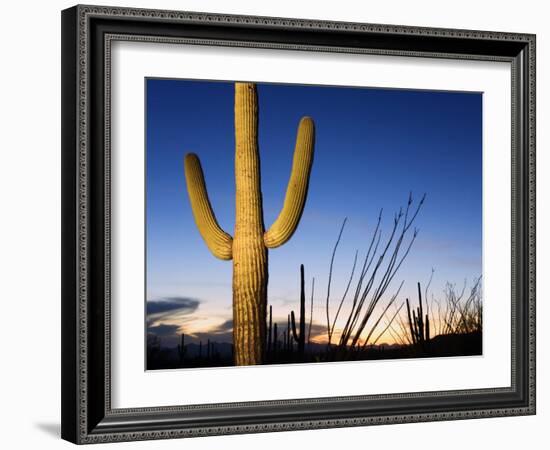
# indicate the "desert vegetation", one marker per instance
pixel 360 321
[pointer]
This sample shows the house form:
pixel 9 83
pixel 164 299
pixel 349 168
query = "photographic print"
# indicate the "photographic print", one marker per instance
pixel 313 199
pixel 291 224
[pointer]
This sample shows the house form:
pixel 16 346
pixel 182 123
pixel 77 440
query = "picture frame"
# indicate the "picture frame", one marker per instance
pixel 87 365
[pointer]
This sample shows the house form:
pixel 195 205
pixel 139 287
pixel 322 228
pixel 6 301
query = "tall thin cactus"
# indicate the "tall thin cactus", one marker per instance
pixel 275 340
pixel 269 332
pixel 311 311
pixel 300 337
pixel 182 350
pixel 288 335
pixel 419 324
pixel 248 248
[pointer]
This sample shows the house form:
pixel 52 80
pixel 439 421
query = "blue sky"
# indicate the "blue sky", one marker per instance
pixel 372 147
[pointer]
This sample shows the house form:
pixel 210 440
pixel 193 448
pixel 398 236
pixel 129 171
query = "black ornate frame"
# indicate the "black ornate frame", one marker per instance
pixel 87 416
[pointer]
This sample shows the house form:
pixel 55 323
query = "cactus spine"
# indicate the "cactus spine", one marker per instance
pixel 248 247
pixel 300 338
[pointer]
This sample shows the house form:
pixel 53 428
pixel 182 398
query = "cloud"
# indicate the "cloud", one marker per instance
pixel 164 330
pixel 170 309
pixel 214 337
pixel 220 333
pixel 183 305
pixel 318 331
pixel 224 327
pixel 169 335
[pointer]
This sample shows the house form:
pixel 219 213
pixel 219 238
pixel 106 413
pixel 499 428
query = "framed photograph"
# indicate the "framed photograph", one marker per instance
pixel 281 224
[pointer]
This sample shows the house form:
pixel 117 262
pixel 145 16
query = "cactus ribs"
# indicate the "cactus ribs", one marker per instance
pixel 250 243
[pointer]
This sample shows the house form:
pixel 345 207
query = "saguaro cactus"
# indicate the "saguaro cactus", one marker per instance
pixel 248 247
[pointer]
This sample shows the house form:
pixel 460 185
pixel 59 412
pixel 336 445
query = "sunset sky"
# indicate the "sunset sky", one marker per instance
pixel 372 147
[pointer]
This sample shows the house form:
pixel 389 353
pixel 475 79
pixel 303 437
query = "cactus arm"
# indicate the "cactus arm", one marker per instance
pixel 286 223
pixel 218 241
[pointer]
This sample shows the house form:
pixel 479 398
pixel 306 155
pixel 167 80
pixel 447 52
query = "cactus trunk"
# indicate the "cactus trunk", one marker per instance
pixel 248 247
pixel 249 250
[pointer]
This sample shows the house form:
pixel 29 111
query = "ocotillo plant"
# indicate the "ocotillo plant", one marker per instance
pixel 419 324
pixel 380 266
pixel 300 338
pixel 250 243
pixel 461 313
